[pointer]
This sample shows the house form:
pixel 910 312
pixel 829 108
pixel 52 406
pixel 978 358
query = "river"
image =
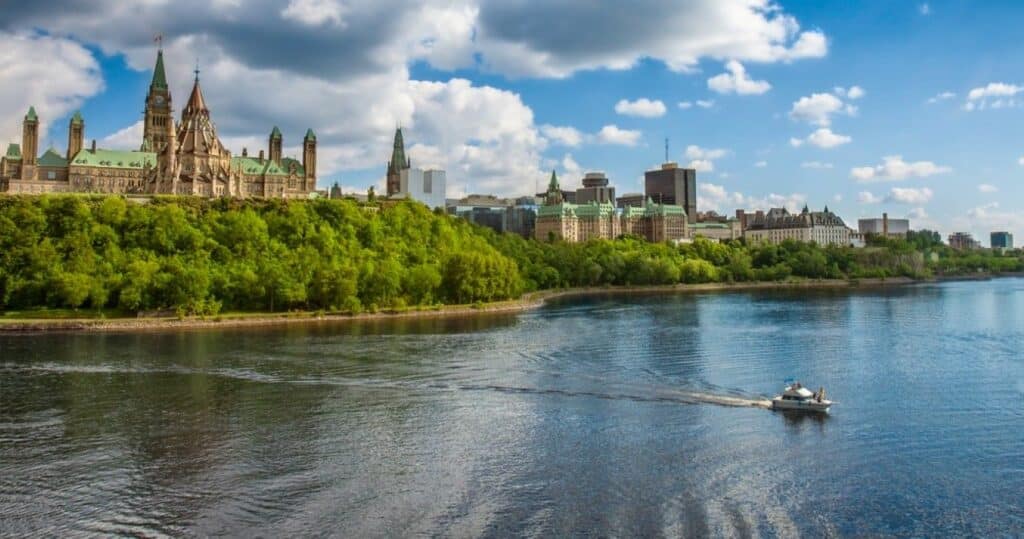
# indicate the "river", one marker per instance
pixel 607 416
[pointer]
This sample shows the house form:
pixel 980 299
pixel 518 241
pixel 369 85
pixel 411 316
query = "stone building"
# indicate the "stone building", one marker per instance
pixel 655 222
pixel 778 225
pixel 183 158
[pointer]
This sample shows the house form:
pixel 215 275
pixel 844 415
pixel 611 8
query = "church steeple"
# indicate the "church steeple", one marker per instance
pixel 157 124
pixel 398 163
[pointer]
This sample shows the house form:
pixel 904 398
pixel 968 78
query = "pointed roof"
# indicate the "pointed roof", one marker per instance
pixel 77 118
pixel 13 151
pixel 31 116
pixel 159 77
pixel 310 135
pixel 398 159
pixel 553 183
pixel 52 159
pixel 196 103
pixel 276 133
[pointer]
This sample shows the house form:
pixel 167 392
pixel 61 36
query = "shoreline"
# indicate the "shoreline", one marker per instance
pixel 528 302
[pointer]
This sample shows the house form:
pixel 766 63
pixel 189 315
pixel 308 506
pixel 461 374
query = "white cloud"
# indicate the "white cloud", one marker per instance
pixel 736 81
pixel 822 138
pixel 853 92
pixel 1021 161
pixel 566 136
pixel 701 165
pixel 987 188
pixel 705 103
pixel 815 165
pixel 53 74
pixel 715 197
pixel 702 159
pixel 894 168
pixel 910 195
pixel 942 96
pixel 994 95
pixel 129 138
pixel 612 134
pixel 685 105
pixel 988 217
pixel 867 197
pixel 643 108
pixel 761 164
pixel 314 12
pixel 924 9
pixel 917 213
pixel 818 109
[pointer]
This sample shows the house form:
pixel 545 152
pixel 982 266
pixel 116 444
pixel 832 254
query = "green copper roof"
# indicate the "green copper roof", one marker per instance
pixel 652 209
pixel 593 209
pixel 77 119
pixel 159 77
pixel 52 159
pixel 250 165
pixel 310 135
pixel 553 184
pixel 114 159
pixel 398 159
pixel 31 116
pixel 13 151
pixel 276 133
pixel 563 210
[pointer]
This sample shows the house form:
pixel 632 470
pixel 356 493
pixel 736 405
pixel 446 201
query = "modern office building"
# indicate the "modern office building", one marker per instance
pixel 893 228
pixel 778 225
pixel 1001 240
pixel 674 186
pixel 426 186
pixel 595 189
pixel 627 200
pixel 963 241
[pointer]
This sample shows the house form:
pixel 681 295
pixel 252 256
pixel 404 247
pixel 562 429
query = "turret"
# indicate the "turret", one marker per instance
pixel 76 135
pixel 554 194
pixel 30 138
pixel 309 156
pixel 157 123
pixel 274 148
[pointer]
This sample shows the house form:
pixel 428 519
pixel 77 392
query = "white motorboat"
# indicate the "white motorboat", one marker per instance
pixel 798 397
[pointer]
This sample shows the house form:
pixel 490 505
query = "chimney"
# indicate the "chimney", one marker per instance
pixel 93 146
pixel 261 156
pixel 885 224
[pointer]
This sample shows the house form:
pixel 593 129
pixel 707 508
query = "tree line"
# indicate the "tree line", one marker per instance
pixel 198 256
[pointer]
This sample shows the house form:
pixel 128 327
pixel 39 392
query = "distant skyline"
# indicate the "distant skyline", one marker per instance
pixel 910 108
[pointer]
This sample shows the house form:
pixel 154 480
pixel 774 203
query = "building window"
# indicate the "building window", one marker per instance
pixel 428 186
pixel 51 175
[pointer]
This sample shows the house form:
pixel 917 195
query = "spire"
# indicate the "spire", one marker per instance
pixel 275 133
pixel 398 159
pixel 159 77
pixel 196 103
pixel 77 118
pixel 553 184
pixel 31 116
pixel 310 135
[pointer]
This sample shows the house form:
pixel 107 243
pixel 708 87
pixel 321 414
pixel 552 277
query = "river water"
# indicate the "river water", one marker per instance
pixel 586 417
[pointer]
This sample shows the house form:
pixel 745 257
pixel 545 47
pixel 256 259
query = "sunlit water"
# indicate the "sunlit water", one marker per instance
pixel 589 417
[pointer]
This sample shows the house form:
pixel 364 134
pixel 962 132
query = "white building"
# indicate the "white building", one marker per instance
pixel 426 186
pixel 885 225
pixel 778 225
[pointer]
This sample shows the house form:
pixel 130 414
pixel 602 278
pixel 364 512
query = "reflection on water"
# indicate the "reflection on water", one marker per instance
pixel 594 416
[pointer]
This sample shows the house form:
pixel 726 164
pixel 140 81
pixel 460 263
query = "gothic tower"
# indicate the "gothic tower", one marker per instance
pixel 76 135
pixel 29 145
pixel 309 159
pixel 554 193
pixel 275 146
pixel 157 124
pixel 397 164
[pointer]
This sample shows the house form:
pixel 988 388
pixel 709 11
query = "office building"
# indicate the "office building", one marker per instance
pixel 595 189
pixel 893 228
pixel 655 222
pixel 1001 240
pixel 778 225
pixel 674 186
pixel 963 241
pixel 627 200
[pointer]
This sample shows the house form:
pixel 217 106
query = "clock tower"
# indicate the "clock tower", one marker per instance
pixel 158 120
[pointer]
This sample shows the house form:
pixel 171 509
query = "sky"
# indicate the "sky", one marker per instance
pixel 906 107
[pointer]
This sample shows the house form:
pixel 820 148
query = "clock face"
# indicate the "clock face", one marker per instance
pixel 159 100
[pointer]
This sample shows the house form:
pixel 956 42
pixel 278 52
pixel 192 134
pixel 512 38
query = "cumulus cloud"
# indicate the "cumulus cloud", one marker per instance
pixel 910 195
pixel 815 165
pixel 989 217
pixel 994 95
pixel 685 105
pixel 867 197
pixel 643 108
pixel 894 168
pixel 853 92
pixel 566 136
pixel 613 134
pixel 761 164
pixel 924 9
pixel 736 81
pixel 1021 161
pixel 702 159
pixel 716 197
pixel 314 12
pixel 705 103
pixel 941 96
pixel 987 188
pixel 818 109
pixel 51 73
pixel 128 138
pixel 822 138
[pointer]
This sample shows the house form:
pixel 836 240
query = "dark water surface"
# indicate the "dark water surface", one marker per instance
pixel 574 419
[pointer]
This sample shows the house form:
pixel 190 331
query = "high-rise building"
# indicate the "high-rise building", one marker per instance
pixel 426 186
pixel 963 241
pixel 595 189
pixel 180 158
pixel 627 200
pixel 674 186
pixel 1001 240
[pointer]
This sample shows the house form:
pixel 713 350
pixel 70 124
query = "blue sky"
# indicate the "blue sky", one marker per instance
pixel 500 92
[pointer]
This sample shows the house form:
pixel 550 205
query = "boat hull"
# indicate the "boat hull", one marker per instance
pixel 804 406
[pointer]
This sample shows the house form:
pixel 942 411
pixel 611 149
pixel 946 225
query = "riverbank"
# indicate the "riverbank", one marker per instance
pixel 528 302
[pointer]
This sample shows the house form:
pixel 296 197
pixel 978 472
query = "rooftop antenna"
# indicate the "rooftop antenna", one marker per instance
pixel 197 69
pixel 666 149
pixel 159 40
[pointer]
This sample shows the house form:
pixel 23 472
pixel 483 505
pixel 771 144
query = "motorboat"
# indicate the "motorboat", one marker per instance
pixel 798 397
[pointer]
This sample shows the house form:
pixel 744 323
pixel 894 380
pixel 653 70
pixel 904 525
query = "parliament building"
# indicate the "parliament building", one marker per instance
pixel 175 158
